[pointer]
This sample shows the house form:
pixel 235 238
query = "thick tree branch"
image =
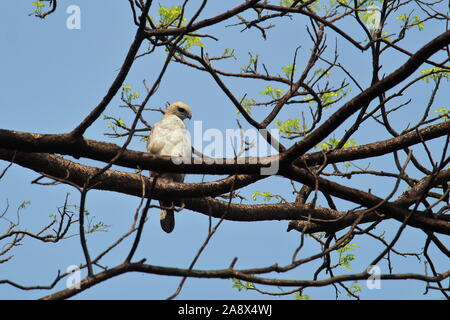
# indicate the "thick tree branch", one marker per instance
pixel 247 275
pixel 131 184
pixel 103 151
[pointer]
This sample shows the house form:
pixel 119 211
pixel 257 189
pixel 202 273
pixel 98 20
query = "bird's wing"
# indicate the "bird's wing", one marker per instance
pixel 169 137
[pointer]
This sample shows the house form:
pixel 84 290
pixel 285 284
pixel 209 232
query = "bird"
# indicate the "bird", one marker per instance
pixel 169 137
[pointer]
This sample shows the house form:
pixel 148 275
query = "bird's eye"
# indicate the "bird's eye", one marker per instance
pixel 180 110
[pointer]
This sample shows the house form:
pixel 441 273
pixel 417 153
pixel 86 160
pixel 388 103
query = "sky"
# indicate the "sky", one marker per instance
pixel 52 77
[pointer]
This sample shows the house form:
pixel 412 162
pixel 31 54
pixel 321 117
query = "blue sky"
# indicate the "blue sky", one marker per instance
pixel 52 77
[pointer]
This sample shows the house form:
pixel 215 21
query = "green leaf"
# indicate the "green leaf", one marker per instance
pixel 126 88
pixel 371 17
pixel 247 105
pixel 267 196
pixel 328 98
pixel 252 63
pixel 385 37
pixel 229 53
pixel 300 296
pixel 334 142
pixel 170 17
pixel 418 22
pixel 291 127
pixel 275 93
pixel 444 113
pixel 435 74
pixel 24 204
pixel 190 41
pixel 320 71
pixel 242 286
pixel 98 227
pixel 319 235
pixel 354 289
pixel 403 18
pixel 288 70
pixel 38 4
pixel 286 3
pixel 135 95
pixel 345 259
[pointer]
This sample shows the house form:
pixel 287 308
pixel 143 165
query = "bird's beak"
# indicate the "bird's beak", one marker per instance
pixel 189 117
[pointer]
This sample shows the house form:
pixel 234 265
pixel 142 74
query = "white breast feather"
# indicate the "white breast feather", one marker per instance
pixel 169 137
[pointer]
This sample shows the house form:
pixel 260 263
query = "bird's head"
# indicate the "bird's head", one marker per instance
pixel 179 109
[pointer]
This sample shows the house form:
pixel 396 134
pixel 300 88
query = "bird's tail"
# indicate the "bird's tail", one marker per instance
pixel 167 218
